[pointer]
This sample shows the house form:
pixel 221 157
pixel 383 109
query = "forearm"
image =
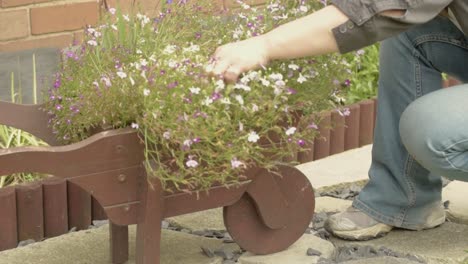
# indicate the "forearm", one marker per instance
pixel 307 36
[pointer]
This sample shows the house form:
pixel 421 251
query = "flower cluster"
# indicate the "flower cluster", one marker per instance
pixel 150 74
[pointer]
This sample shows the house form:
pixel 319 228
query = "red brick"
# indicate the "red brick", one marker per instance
pixel 63 17
pixel 11 3
pixel 59 41
pixel 14 24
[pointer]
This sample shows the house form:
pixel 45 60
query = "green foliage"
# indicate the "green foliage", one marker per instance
pixel 365 74
pixel 12 137
pixel 151 75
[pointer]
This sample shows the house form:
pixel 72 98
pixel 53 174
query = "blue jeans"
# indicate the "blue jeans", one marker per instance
pixel 421 130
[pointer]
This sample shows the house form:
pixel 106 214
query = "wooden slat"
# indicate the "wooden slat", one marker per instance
pixel 337 134
pixel 8 220
pixel 366 122
pixel 322 142
pixel 30 212
pixel 118 243
pixel 352 127
pixel 98 212
pixel 55 207
pixel 79 207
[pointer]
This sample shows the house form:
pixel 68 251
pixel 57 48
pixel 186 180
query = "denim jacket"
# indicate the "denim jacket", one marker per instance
pixel 365 26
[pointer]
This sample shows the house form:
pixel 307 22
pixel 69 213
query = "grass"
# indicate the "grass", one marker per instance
pixel 11 137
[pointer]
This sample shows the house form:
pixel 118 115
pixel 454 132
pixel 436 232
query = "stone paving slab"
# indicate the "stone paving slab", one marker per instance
pixel 295 254
pixel 353 166
pixel 446 244
pixel 455 193
pixel 92 247
pixel 204 220
pixel 381 260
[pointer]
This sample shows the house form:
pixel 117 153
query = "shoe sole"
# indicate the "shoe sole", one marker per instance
pixel 372 232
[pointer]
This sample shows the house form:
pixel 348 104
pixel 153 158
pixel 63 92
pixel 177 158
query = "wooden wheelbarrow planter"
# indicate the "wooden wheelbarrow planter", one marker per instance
pixel 264 214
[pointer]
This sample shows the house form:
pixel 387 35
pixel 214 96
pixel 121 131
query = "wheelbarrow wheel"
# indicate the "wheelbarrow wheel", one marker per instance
pixel 244 222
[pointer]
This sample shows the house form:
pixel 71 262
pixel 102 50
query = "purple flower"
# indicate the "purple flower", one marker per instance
pixel 215 96
pixel 58 82
pixel 344 112
pixel 196 140
pixel 291 91
pixel 347 82
pixel 198 35
pixel 59 107
pixel 301 142
pixel 172 85
pixel 312 125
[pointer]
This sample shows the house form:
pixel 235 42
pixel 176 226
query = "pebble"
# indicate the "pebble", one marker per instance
pixel 313 252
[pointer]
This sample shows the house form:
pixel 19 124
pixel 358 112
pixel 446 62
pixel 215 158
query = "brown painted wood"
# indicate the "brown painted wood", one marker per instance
pixel 322 142
pixel 148 238
pixel 8 220
pixel 366 122
pixel 123 214
pixel 337 134
pixel 118 243
pixel 114 186
pixel 98 212
pixel 184 203
pixel 30 212
pixel 105 151
pixel 30 118
pixel 274 217
pixel 375 111
pixel 307 155
pixel 247 228
pixel 79 207
pixel 352 127
pixel 55 207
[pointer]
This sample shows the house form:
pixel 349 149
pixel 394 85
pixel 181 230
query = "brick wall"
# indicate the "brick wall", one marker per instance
pixel 29 24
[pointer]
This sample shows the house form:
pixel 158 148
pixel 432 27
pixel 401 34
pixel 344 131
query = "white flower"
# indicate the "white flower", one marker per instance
pixel 152 58
pixel 220 85
pixel 92 42
pixel 194 90
pixel 121 74
pixel 146 92
pixel 293 67
pixel 192 48
pixel 255 108
pixel 138 51
pixel 225 100
pixel 112 10
pixel 172 63
pixel 265 82
pixel 207 101
pixel 188 142
pixel 280 83
pixel 301 78
pixel 126 18
pixel 167 135
pixel 241 86
pixel 239 99
pixel 143 62
pixel 135 126
pixel 170 49
pixel 241 126
pixel 96 84
pixel 191 163
pixel 114 27
pixel 253 137
pixel 291 131
pixel 303 8
pixel 276 76
pixel 235 163
pixel 106 81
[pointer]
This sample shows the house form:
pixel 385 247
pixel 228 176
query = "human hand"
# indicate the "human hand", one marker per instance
pixel 231 60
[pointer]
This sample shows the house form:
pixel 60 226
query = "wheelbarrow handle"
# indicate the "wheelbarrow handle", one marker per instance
pixel 29 118
pixel 109 150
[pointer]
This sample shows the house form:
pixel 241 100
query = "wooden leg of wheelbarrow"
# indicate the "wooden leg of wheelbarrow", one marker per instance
pixel 118 243
pixel 149 225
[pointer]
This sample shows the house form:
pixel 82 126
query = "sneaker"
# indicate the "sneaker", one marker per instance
pixel 353 224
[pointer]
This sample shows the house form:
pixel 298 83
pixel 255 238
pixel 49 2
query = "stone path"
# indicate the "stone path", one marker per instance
pixel 184 238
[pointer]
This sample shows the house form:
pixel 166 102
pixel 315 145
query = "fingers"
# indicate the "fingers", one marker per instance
pixel 231 75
